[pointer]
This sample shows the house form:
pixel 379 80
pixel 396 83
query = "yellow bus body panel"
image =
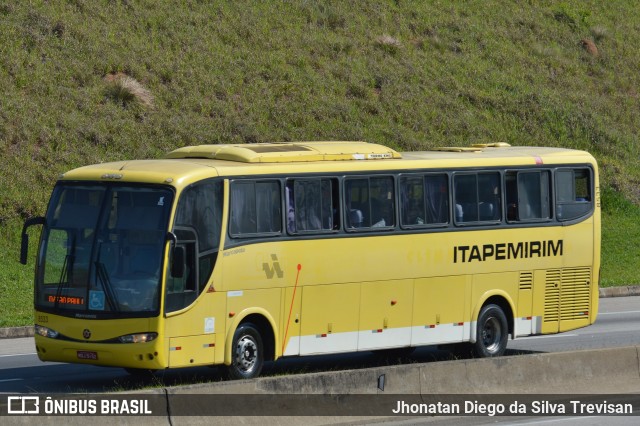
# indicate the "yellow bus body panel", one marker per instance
pixel 149 355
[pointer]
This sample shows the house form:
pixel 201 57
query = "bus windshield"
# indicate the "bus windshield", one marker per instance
pixel 102 250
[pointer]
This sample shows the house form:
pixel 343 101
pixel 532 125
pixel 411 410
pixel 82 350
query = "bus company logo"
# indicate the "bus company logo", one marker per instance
pixel 86 333
pixel 273 268
pixel 507 251
pixel 23 405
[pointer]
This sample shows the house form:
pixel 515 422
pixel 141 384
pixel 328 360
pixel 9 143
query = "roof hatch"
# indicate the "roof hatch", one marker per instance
pixel 287 152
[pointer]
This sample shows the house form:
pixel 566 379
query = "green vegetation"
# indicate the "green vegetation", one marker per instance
pixel 86 82
pixel 620 242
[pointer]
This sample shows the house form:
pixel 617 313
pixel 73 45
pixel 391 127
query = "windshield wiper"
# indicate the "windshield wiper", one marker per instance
pixel 67 265
pixel 102 276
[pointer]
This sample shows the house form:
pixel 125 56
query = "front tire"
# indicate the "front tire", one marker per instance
pixel 492 332
pixel 247 357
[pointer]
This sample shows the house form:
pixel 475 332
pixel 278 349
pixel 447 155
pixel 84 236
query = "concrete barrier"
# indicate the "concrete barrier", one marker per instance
pixel 621 291
pixel 16 332
pixel 604 371
pixel 615 370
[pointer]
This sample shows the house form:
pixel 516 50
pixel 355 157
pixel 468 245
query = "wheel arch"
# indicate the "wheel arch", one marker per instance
pixel 266 327
pixel 501 300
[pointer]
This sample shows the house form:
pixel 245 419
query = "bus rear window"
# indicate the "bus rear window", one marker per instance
pixel 574 197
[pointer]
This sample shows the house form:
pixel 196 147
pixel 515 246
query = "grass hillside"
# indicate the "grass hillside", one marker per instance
pixel 93 81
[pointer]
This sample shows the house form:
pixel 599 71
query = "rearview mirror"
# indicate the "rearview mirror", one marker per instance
pixel 177 254
pixel 24 244
pixel 177 262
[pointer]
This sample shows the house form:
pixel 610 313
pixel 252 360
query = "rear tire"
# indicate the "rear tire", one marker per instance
pixel 247 353
pixel 492 332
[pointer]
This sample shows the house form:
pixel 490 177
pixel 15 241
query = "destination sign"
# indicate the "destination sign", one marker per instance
pixel 65 300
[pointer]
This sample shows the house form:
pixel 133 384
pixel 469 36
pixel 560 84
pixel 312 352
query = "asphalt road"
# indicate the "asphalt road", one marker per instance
pixel 618 324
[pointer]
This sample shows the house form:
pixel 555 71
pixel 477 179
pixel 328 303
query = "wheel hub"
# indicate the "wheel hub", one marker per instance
pixel 491 334
pixel 247 353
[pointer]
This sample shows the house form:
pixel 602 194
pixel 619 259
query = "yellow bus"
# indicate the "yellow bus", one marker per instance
pixel 239 254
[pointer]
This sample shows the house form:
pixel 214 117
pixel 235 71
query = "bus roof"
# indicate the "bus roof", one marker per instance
pixel 193 163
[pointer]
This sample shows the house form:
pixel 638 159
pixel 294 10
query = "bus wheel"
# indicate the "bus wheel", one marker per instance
pixel 247 357
pixel 493 332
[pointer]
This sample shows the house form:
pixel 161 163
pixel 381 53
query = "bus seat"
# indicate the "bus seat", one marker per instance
pixel 487 211
pixel 525 211
pixel 459 213
pixel 356 218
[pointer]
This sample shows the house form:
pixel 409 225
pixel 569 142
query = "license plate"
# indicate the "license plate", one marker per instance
pixel 87 355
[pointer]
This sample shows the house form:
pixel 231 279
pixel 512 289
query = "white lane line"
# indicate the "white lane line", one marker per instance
pixel 546 336
pixel 619 313
pixel 30 353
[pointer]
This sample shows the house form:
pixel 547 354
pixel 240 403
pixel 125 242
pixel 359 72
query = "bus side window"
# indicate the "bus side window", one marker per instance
pixel 424 200
pixel 357 203
pixel 477 197
pixel 370 203
pixel 412 204
pixel 528 195
pixel 489 197
pixel 255 208
pixel 511 195
pixel 382 202
pixel 466 198
pixel 574 197
pixel 312 205
pixel 437 199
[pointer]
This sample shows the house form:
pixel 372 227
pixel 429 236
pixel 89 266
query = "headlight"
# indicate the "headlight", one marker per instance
pixel 138 338
pixel 45 332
